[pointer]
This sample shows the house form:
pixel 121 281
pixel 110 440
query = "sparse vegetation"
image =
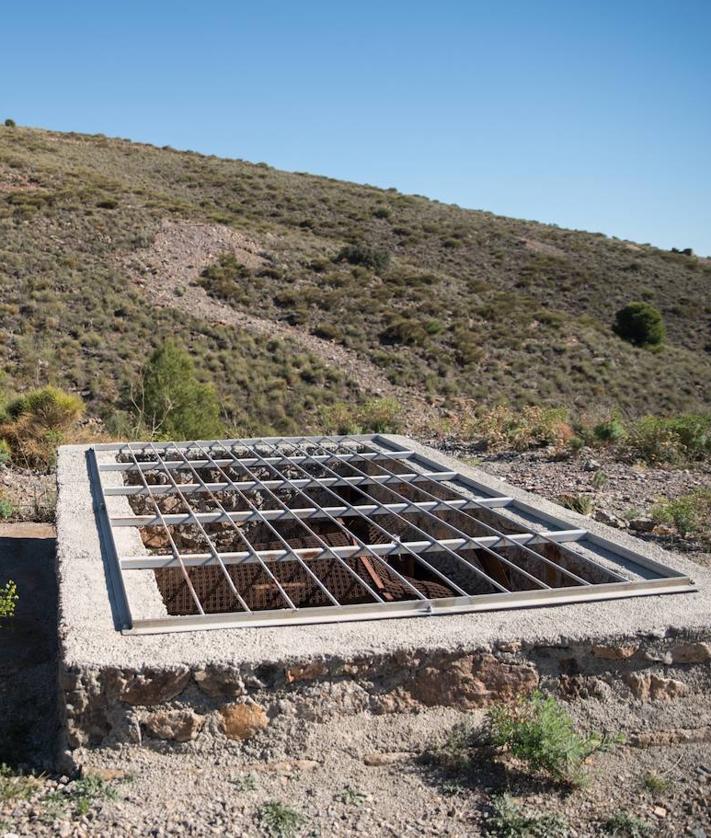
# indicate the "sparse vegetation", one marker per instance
pixel 625 825
pixel 655 783
pixel 640 324
pixel 509 819
pixel 485 316
pixel 381 416
pixel 280 821
pixel 80 795
pixel 580 503
pixel 350 796
pixel 539 733
pixel 16 786
pixel 689 514
pixel 675 440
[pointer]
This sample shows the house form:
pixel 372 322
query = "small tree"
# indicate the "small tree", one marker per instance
pixel 171 402
pixel 9 123
pixel 640 324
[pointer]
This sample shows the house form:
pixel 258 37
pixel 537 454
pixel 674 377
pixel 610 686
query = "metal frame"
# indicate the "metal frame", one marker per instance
pixel 269 479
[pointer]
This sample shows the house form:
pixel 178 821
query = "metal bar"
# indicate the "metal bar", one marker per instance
pixel 289 549
pixel 173 548
pixel 451 606
pixel 499 558
pixel 147 465
pixel 246 485
pixel 346 532
pixel 287 513
pixel 379 549
pixel 538 556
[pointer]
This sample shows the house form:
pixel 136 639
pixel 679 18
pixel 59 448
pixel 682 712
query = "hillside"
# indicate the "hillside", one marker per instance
pixel 107 247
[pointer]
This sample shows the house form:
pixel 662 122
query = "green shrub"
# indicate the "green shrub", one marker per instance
pixel 640 324
pixel 539 732
pixel 532 427
pixel 510 820
pixel 5 453
pixel 625 825
pixel 689 514
pixel 225 279
pixel 679 439
pixel 363 254
pixel 6 509
pixel 404 330
pixel 280 821
pixel 10 123
pixel 8 599
pixel 171 402
pixel 381 416
pixel 612 430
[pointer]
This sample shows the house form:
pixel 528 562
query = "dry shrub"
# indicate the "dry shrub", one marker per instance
pixel 36 424
pixel 504 427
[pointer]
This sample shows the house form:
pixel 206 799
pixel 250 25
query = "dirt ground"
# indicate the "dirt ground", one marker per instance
pixel 359 775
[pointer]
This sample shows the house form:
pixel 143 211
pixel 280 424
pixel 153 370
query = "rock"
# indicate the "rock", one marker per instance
pixel 669 737
pixel 109 774
pixel 241 721
pixel 691 653
pixel 153 687
pixel 469 681
pixel 659 812
pixel 610 519
pixel 176 725
pixel 614 653
pixel 642 524
pixel 222 684
pixel 591 465
pixel 377 758
pixel 646 686
pixel 288 766
pixel 306 672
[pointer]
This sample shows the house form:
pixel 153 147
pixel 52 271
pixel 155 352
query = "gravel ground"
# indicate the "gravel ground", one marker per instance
pixel 366 775
pixel 359 775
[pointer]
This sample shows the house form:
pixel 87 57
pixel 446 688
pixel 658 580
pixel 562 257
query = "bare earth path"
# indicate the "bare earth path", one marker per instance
pixel 166 273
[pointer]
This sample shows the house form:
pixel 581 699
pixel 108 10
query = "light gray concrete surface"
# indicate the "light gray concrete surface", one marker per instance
pixel 88 636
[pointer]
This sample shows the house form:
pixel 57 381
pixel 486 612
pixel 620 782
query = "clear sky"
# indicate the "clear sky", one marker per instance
pixel 592 114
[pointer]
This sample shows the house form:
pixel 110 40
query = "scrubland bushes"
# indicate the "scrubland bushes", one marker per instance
pixel 35 423
pixel 381 416
pixel 677 440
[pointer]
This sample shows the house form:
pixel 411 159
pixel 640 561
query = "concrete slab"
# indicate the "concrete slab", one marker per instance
pixel 89 638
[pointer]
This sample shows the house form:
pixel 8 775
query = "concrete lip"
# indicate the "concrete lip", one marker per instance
pixel 108 676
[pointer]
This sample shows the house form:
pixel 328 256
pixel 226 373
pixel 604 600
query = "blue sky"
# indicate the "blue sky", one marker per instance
pixel 593 115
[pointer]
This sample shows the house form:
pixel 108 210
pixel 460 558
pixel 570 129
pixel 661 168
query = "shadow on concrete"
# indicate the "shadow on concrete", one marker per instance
pixel 28 648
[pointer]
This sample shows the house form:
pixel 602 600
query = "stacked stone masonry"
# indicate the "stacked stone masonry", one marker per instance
pixel 111 705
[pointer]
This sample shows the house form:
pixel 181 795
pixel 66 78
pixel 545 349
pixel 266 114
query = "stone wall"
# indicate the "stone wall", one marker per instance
pixel 108 706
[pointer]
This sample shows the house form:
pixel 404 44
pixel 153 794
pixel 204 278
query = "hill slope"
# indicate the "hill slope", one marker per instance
pixel 108 246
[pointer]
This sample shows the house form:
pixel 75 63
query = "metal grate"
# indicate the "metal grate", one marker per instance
pixel 317 529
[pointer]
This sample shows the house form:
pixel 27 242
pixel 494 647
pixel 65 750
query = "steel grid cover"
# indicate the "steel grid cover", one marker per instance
pixel 283 530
